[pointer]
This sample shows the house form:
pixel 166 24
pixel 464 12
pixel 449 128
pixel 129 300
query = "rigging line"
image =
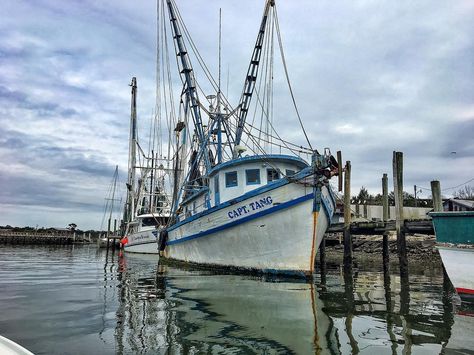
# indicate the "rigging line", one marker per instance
pixel 455 187
pixel 300 149
pixel 171 119
pixel 195 50
pixel 285 142
pixel 158 83
pixel 201 61
pixel 213 83
pixel 271 76
pixel 293 151
pixel 263 155
pixel 165 59
pixel 288 78
pixel 265 69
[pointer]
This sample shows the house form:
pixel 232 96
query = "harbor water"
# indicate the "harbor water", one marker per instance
pixel 84 300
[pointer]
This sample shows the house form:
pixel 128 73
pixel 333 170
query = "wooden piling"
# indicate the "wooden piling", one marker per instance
pixel 398 192
pixel 385 250
pixel 322 260
pixel 347 214
pixel 436 193
pixel 115 233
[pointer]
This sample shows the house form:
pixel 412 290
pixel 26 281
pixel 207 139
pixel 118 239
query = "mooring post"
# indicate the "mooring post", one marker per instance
pixel 366 212
pixel 115 233
pixel 357 211
pixel 322 259
pixel 398 192
pixel 385 250
pixel 436 193
pixel 347 214
pixel 108 233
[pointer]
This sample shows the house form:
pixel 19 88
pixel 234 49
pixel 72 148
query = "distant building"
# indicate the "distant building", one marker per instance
pixel 455 204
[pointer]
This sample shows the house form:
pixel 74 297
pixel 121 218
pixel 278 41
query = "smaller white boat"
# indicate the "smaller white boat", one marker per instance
pixel 143 233
pixel 147 208
pixel 9 347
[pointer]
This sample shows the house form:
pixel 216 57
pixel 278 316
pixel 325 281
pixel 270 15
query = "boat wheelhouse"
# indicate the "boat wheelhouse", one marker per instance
pixel 237 177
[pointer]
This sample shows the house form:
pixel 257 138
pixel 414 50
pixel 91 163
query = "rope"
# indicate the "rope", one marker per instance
pixel 288 78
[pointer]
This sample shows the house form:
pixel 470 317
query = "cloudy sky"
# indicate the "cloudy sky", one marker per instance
pixel 370 77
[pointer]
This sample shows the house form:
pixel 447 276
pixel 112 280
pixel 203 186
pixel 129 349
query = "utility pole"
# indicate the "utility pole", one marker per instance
pixel 416 202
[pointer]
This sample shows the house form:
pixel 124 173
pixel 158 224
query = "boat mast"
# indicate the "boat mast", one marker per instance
pixel 187 74
pixel 219 115
pixel 132 152
pixel 251 78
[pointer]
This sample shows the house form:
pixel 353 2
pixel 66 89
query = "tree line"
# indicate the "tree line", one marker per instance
pixel 364 197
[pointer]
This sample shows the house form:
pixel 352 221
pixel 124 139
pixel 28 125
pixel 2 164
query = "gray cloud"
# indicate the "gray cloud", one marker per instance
pixel 369 78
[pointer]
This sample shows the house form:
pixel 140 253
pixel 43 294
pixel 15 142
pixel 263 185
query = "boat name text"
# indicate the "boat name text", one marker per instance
pixel 252 206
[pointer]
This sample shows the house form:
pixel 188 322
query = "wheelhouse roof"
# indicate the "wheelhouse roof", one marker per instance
pixel 280 158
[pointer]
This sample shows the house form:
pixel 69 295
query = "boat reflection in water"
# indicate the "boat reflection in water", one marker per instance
pixel 165 309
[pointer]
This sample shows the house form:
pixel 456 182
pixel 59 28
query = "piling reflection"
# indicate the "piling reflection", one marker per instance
pixel 164 309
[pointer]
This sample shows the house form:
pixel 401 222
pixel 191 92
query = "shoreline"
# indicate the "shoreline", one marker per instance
pixel 421 249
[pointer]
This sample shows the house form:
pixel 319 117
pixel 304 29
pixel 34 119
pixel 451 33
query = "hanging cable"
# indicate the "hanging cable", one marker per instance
pixel 288 78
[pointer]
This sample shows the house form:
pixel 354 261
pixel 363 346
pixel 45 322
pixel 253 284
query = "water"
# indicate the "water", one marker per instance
pixel 81 300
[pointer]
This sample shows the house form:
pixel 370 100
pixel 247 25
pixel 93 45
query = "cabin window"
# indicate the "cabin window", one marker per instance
pixel 252 176
pixel 231 179
pixel 272 174
pixel 290 172
pixel 149 221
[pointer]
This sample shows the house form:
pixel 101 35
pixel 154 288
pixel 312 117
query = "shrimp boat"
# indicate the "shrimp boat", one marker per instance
pixel 239 205
pixel 455 242
pixel 147 209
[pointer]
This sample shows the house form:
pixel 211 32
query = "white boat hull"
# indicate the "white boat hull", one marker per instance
pixel 143 242
pixel 9 347
pixel 282 235
pixel 459 263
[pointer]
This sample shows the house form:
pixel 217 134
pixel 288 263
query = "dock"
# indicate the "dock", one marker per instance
pixel 59 238
pixel 416 226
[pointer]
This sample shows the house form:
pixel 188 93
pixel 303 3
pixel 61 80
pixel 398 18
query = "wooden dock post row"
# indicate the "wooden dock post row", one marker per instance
pixel 347 214
pixel 400 225
pixel 436 193
pixel 398 192
pixel 385 209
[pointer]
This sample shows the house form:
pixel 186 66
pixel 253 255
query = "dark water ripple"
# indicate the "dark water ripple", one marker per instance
pixel 82 300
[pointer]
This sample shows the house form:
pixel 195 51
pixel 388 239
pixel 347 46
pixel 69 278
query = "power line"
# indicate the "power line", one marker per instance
pixel 455 187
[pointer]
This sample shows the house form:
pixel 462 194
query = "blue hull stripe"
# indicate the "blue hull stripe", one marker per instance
pixel 273 209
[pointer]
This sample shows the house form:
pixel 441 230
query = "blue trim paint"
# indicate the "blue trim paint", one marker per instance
pixel 260 158
pixel 273 209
